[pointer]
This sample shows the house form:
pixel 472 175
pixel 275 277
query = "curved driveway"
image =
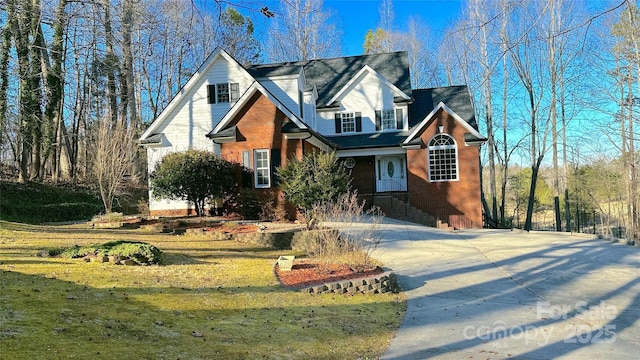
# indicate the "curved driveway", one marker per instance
pixel 495 294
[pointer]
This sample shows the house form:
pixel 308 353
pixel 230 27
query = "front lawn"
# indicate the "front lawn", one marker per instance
pixel 209 300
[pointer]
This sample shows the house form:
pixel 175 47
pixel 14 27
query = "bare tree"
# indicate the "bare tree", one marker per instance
pixel 418 43
pixel 627 71
pixel 385 38
pixel 302 31
pixel 114 153
pixel 480 20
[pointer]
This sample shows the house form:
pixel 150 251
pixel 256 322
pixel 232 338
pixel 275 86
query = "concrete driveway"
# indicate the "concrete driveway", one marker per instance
pixel 495 294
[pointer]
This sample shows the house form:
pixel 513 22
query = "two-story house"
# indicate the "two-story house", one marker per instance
pixel 408 150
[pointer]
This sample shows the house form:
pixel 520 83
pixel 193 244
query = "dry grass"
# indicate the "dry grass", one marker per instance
pixel 210 299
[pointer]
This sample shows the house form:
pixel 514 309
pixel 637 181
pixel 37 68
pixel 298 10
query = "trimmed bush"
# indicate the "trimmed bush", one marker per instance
pixel 38 203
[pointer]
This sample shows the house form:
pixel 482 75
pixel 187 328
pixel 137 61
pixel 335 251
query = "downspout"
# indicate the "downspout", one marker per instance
pixel 302 140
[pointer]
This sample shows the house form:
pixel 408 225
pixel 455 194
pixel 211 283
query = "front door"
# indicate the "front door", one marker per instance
pixel 391 173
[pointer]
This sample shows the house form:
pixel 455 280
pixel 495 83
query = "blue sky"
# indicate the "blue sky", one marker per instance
pixel 355 17
pixel 358 16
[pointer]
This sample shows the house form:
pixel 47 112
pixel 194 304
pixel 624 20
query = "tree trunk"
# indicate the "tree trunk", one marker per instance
pixel 5 50
pixel 111 63
pixel 54 88
pixel 505 98
pixel 532 191
pixel 20 23
pixel 127 93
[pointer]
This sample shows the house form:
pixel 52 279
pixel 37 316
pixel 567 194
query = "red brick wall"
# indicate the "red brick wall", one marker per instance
pixel 173 213
pixel 448 198
pixel 259 126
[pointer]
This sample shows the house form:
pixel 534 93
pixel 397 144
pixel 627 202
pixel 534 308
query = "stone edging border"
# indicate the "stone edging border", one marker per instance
pixel 376 284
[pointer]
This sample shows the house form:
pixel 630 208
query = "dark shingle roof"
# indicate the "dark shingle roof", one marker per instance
pixel 372 140
pixel 290 127
pixel 455 97
pixel 231 131
pixel 152 139
pixel 281 69
pixel 331 75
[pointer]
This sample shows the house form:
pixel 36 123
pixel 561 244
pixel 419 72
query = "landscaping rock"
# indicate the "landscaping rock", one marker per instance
pixel 100 259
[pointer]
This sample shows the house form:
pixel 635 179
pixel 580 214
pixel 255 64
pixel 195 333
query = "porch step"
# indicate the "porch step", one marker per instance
pixel 394 207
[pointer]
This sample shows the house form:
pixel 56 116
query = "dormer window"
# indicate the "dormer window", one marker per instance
pixel 389 119
pixel 223 93
pixel 348 122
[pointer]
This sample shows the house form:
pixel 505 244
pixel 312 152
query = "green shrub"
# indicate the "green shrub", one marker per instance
pixel 317 178
pixel 139 251
pixel 37 203
pixel 245 202
pixel 76 251
pixel 192 175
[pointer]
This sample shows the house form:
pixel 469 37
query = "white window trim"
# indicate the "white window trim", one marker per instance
pixel 443 147
pixel 348 115
pixel 393 117
pixel 246 159
pixel 256 169
pixel 219 87
pixel 233 92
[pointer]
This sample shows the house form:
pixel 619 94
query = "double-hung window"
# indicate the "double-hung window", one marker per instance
pixel 262 168
pixel 223 93
pixel 443 158
pixel 348 122
pixel 389 119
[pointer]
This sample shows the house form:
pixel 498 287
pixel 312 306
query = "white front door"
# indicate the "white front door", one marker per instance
pixel 391 173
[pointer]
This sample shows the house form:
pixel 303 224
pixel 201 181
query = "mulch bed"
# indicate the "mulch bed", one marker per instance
pixel 236 229
pixel 313 272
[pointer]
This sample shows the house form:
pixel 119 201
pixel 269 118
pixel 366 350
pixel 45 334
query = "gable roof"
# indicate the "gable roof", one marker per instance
pixel 472 137
pixel 330 76
pixel 295 128
pixel 455 97
pixel 358 77
pixel 164 114
pixel 244 98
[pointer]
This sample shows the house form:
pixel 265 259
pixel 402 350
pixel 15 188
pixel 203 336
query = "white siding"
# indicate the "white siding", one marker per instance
pixel 193 118
pixel 285 90
pixel 366 96
pixel 309 116
pixel 325 124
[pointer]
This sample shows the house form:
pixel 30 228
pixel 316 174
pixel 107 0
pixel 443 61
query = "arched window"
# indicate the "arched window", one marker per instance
pixel 443 158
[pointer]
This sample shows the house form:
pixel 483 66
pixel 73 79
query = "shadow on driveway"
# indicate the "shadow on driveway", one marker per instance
pixel 495 294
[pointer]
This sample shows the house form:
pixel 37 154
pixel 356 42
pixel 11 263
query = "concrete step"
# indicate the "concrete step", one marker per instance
pixel 396 208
